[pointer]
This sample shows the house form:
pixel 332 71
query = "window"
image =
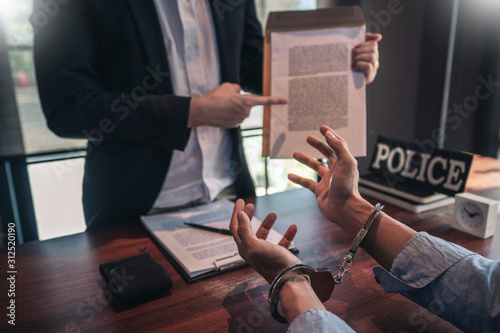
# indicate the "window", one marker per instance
pixel 265 6
pixel 56 187
pixel 55 184
pixel 37 138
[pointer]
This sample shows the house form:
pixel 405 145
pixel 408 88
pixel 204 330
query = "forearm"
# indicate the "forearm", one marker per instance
pixel 100 116
pixel 453 282
pixel 77 106
pixel 298 296
pixel 386 236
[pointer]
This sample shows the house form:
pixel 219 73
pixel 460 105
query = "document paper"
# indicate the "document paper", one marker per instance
pixel 200 251
pixel 312 68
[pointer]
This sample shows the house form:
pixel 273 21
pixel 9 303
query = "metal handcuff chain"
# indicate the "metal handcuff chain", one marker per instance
pixel 321 279
pixel 344 268
pixel 358 240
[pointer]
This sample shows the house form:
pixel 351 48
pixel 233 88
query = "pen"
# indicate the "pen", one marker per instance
pixel 212 229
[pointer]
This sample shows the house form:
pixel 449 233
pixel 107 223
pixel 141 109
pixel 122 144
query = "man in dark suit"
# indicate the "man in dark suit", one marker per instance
pixel 120 73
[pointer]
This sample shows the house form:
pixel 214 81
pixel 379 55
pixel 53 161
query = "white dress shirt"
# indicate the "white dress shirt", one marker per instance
pixel 202 170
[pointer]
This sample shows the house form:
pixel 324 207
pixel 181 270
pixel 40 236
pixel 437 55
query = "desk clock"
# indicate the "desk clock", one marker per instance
pixel 475 215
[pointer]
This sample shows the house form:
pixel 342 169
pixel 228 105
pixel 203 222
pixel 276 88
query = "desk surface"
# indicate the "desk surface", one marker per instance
pixel 57 284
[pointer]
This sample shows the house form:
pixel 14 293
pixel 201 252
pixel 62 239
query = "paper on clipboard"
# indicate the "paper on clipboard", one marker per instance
pixel 197 251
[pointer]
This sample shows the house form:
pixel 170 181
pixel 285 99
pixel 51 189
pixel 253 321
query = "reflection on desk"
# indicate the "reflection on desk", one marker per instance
pixel 58 282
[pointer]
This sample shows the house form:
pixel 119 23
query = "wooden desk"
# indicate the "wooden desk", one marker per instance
pixel 57 284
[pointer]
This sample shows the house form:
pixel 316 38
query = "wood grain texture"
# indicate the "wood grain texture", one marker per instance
pixel 58 286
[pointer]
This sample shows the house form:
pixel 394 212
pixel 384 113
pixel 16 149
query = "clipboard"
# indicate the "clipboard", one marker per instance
pixel 198 254
pixel 218 268
pixel 298 21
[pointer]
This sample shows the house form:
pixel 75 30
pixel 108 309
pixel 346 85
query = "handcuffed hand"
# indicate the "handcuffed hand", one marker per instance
pixel 266 258
pixel 339 182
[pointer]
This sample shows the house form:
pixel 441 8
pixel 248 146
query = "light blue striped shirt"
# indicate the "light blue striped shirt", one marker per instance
pixel 456 284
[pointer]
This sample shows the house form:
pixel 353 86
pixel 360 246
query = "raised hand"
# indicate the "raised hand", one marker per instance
pixel 339 181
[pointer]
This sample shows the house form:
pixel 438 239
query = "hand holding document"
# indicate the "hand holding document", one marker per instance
pixel 307 58
pixel 195 252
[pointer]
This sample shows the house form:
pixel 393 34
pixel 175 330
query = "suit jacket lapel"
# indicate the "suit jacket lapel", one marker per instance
pixel 146 18
pixel 218 20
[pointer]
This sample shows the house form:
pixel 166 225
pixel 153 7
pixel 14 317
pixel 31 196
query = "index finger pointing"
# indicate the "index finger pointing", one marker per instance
pixel 264 100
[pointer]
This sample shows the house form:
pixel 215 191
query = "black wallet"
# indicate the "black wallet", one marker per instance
pixel 135 279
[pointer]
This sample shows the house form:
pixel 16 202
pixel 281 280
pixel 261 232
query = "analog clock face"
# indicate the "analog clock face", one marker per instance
pixel 470 215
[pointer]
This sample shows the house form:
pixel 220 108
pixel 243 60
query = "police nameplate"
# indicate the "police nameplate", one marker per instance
pixel 439 170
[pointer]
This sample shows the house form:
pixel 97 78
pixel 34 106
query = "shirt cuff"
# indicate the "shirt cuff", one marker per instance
pixel 419 262
pixel 318 321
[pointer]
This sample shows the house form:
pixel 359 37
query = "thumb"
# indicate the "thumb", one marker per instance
pixel 245 231
pixel 373 37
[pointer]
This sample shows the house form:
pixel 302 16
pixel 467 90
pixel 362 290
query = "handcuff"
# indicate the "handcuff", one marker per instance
pixel 322 280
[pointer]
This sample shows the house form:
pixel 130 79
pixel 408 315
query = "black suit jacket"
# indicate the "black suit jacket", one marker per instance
pixel 103 74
